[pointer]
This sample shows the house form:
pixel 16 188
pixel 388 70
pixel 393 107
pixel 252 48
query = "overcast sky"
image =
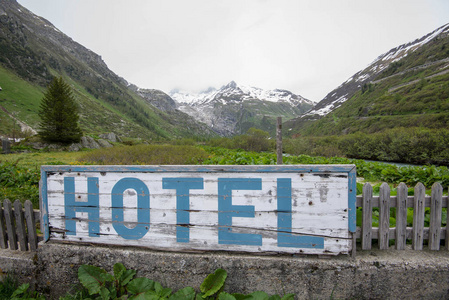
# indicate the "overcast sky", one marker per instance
pixel 306 46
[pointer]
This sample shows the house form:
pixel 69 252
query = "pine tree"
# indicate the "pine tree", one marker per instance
pixel 59 114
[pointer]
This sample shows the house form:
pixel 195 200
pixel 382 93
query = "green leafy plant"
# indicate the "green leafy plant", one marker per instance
pixel 22 292
pixel 121 285
pixel 213 283
pixel 10 289
pixel 19 183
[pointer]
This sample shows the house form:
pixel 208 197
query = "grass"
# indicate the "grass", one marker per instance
pixel 146 155
pixel 20 173
pixel 19 97
pixel 37 159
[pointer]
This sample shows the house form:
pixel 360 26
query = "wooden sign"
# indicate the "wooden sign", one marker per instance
pixel 289 208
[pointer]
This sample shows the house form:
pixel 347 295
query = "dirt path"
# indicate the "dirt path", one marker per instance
pixel 23 127
pixel 415 81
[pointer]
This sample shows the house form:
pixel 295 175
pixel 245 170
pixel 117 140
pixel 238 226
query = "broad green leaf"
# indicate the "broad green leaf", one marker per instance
pixel 274 297
pixel 140 285
pixel 288 297
pixel 158 288
pixel 119 269
pixel 259 295
pixel 241 296
pixel 199 296
pixel 93 278
pixel 104 293
pixel 225 296
pixel 165 293
pixel 213 282
pixel 20 290
pixel 187 293
pixel 127 276
pixel 149 295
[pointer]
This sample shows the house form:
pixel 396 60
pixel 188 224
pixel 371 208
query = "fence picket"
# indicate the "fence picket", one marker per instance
pixel 3 237
pixel 446 244
pixel 435 216
pixel 384 216
pixel 10 226
pixel 31 225
pixel 401 216
pixel 20 226
pixel 367 218
pixel 418 217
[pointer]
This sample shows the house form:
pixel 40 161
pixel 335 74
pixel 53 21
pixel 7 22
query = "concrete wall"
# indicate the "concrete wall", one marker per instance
pixel 372 274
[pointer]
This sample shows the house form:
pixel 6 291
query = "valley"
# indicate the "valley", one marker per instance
pixel 396 109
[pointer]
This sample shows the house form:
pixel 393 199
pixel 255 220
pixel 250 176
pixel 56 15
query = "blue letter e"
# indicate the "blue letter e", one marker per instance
pixel 226 211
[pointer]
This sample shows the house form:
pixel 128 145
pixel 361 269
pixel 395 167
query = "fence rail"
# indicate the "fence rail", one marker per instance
pixel 18 226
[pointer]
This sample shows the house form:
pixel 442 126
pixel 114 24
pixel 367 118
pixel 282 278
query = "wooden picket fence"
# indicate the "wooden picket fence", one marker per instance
pixel 18 225
pixel 434 234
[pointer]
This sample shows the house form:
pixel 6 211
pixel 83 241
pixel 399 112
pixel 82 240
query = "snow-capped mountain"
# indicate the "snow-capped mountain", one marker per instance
pixel 234 92
pixel 233 108
pixel 346 90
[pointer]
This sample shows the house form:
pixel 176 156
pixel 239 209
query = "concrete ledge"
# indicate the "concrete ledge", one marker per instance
pixel 374 274
pixel 20 264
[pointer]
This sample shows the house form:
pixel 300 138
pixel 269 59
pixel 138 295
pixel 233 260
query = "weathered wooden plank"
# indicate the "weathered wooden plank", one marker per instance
pixel 160 236
pixel 264 210
pixel 446 244
pixel 401 216
pixel 105 226
pixel 31 225
pixel 20 226
pixel 367 216
pixel 10 224
pixel 3 237
pixel 384 216
pixel 435 216
pixel 202 169
pixel 418 217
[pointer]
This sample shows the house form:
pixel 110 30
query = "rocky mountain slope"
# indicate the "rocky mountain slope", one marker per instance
pixel 32 51
pixel 233 108
pixel 394 90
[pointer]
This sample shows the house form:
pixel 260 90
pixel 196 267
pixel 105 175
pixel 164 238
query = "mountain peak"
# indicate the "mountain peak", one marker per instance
pixel 232 84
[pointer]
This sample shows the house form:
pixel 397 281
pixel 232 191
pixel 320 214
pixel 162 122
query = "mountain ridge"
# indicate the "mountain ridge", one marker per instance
pixel 33 51
pixel 346 90
pixel 233 109
pixel 377 83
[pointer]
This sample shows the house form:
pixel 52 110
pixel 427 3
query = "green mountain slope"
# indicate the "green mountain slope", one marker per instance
pixel 32 51
pixel 398 114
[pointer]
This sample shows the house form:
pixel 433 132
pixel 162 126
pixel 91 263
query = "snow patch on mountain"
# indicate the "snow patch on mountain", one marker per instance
pixel 234 92
pixel 328 108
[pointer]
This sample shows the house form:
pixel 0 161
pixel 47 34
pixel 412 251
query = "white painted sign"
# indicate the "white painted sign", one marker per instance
pixel 290 209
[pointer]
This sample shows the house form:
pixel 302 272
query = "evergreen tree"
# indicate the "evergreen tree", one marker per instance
pixel 59 114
